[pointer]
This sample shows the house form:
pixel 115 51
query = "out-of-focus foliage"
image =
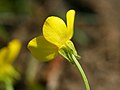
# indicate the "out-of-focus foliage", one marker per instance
pixel 3 34
pixel 81 38
pixel 12 11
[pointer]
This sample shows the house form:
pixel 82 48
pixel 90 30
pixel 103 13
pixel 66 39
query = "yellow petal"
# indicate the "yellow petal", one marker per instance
pixel 42 49
pixel 55 31
pixel 70 22
pixel 8 54
pixel 3 55
pixel 13 50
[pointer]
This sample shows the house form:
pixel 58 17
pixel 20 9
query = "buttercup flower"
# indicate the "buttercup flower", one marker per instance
pixel 7 56
pixel 56 38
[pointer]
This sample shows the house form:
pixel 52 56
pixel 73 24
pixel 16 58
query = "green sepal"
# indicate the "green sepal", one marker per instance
pixel 70 45
pixel 68 50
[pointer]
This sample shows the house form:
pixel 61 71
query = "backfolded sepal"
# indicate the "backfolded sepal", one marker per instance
pixel 68 50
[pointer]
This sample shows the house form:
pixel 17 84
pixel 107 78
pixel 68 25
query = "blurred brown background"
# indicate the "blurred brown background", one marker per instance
pixel 96 37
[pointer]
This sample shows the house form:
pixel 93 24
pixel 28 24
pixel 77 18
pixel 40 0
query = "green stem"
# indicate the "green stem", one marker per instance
pixel 81 72
pixel 9 85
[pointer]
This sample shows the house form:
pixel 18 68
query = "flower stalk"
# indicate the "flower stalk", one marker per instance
pixel 71 55
pixel 77 64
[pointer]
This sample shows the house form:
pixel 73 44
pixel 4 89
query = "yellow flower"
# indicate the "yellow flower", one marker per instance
pixel 7 56
pixel 56 36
